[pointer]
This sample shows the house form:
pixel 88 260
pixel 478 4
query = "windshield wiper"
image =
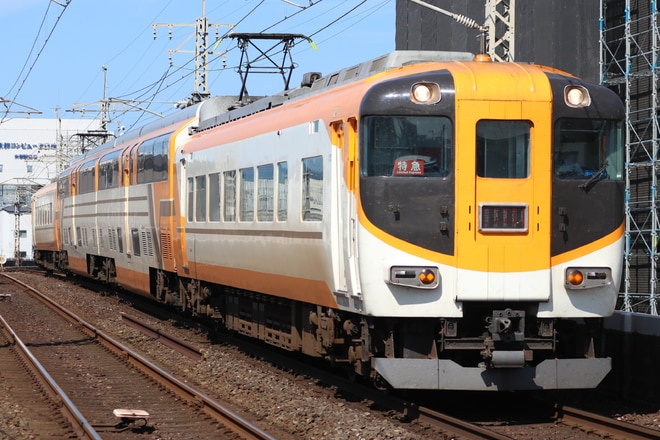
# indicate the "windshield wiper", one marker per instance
pixel 597 176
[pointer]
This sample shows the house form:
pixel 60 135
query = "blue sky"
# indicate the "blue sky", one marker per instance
pixel 53 53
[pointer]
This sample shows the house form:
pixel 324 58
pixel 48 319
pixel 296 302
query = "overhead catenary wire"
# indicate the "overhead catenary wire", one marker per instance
pixel 36 58
pixel 163 87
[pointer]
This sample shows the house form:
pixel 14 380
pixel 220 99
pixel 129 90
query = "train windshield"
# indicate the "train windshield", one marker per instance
pixel 503 149
pixel 584 148
pixel 406 146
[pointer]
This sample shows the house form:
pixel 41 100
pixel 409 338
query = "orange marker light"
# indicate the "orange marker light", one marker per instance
pixel 427 277
pixel 575 277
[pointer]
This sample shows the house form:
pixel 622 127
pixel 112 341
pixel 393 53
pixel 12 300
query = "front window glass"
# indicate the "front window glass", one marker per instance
pixel 503 149
pixel 406 146
pixel 584 148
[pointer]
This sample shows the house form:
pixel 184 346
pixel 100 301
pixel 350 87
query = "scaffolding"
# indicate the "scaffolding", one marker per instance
pixel 629 43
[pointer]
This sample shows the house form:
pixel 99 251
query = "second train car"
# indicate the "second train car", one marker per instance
pixel 432 220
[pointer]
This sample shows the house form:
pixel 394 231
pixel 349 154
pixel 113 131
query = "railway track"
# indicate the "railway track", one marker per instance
pixel 35 403
pixel 113 388
pixel 604 426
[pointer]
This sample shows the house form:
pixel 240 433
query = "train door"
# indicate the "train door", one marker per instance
pixel 71 228
pixel 130 178
pixel 339 247
pixel 186 209
pixel 345 135
pixel 166 215
pixel 503 202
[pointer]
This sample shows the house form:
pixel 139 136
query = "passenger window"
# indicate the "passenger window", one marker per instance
pixel 229 200
pixel 200 198
pixel 191 198
pixel 246 205
pixel 282 190
pixel 265 193
pixel 109 171
pixel 214 197
pixel 312 189
pixel 152 159
pixel 88 177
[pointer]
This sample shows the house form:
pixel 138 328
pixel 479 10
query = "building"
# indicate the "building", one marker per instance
pixel 32 151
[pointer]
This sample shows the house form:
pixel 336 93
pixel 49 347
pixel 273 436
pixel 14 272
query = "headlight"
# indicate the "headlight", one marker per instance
pixel 577 96
pixel 425 93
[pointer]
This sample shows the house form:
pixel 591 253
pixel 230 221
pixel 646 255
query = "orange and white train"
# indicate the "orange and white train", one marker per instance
pixel 432 220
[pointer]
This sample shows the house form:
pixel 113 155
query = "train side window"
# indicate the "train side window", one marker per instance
pixel 246 203
pixel 503 149
pixel 200 198
pixel 160 158
pixel 109 171
pixel 63 187
pixel 282 190
pixel 583 148
pixel 312 189
pixel 87 177
pixel 191 198
pixel 229 200
pixel 152 159
pixel 265 193
pixel 145 160
pixel 214 197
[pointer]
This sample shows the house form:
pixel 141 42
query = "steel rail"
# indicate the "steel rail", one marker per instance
pixel 613 427
pixel 83 428
pixel 168 340
pixel 459 427
pixel 183 390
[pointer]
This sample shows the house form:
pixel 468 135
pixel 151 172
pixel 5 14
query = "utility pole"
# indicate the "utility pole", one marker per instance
pixel 94 138
pixel 17 227
pixel 501 24
pixel 201 52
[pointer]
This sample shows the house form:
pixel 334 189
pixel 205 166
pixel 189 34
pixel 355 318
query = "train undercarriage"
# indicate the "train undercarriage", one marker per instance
pixel 490 336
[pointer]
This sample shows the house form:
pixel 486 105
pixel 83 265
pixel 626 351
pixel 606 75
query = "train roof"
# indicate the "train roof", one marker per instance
pixel 222 109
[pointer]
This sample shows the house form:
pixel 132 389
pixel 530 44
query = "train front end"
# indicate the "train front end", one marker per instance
pixel 490 234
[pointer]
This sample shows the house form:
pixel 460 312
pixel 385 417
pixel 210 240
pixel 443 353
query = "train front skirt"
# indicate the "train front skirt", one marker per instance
pixel 442 374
